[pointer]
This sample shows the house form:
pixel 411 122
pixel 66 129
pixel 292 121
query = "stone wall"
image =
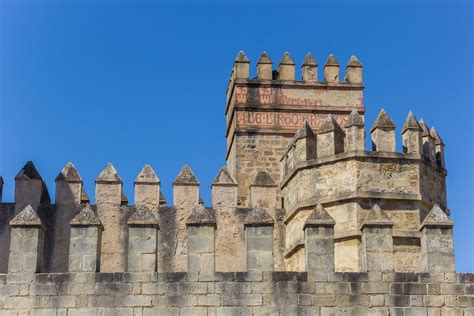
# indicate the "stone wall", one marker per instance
pixel 251 154
pixel 243 293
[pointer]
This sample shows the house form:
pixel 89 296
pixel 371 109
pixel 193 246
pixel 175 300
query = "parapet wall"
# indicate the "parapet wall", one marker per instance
pixel 248 293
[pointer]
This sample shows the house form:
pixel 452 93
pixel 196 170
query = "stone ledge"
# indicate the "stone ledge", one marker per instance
pixel 357 155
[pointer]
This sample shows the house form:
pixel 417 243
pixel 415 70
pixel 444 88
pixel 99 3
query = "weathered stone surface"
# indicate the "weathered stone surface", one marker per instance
pixel 201 215
pixel 355 119
pixel 108 175
pixel 143 216
pixel 309 68
pixel 28 172
pixel 319 217
pixel 258 217
pixel 147 176
pixel 383 121
pixel 86 217
pixel 224 178
pixel 186 176
pixel 27 217
pixel 263 178
pixel 437 218
pixel 69 174
pixel 288 201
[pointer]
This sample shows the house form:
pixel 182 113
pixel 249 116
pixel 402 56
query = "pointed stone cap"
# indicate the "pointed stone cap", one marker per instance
pixel 309 60
pixel 305 131
pixel 354 62
pixel 319 217
pixel 425 131
pixel 27 217
pixel 84 196
pixel 28 172
pixel 69 174
pixel 376 218
pixel 108 175
pixel 264 59
pixel 258 217
pixel 437 218
pixel 331 61
pixel 330 125
pixel 411 123
pixel 201 216
pixel 224 178
pixel 287 59
pixel 162 201
pixel 147 176
pixel 186 176
pixel 86 217
pixel 241 58
pixel 383 121
pixel 263 179
pixel 435 135
pixel 355 119
pixel 143 216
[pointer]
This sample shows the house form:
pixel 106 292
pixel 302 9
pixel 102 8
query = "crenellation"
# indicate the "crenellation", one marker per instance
pixel 85 241
pixel 355 132
pixel 30 189
pixel 330 138
pixel 412 135
pixel 309 69
pixel 439 148
pixel 331 70
pixel 27 242
pixel 383 133
pixel 353 71
pixel 264 67
pixel 428 142
pixel 286 68
pixel 142 240
pixel 108 198
pixel 303 219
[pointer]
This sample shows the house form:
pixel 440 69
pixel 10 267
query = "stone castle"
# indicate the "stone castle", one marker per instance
pixel 304 219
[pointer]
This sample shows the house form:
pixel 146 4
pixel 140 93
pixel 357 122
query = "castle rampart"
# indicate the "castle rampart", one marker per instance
pixel 304 219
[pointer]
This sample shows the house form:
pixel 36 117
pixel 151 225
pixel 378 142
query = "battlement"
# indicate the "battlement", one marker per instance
pixel 304 219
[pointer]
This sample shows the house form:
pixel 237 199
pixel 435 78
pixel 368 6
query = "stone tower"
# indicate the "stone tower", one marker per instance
pixel 263 113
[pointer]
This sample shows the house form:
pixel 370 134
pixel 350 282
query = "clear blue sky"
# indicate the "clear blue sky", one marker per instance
pixel 141 82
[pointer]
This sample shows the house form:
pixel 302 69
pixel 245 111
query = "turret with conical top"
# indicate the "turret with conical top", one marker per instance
pixel 428 142
pixel 305 144
pixel 437 245
pixel 377 241
pixel 241 68
pixel 186 188
pixel 353 71
pixel 68 185
pixel 224 189
pixel 30 188
pixel 319 241
pixel 383 133
pixel 439 148
pixel 26 244
pixel 286 68
pixel 330 138
pixel 331 70
pixel 355 132
pixel 411 135
pixel 147 188
pixel 264 67
pixel 309 69
pixel 108 198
